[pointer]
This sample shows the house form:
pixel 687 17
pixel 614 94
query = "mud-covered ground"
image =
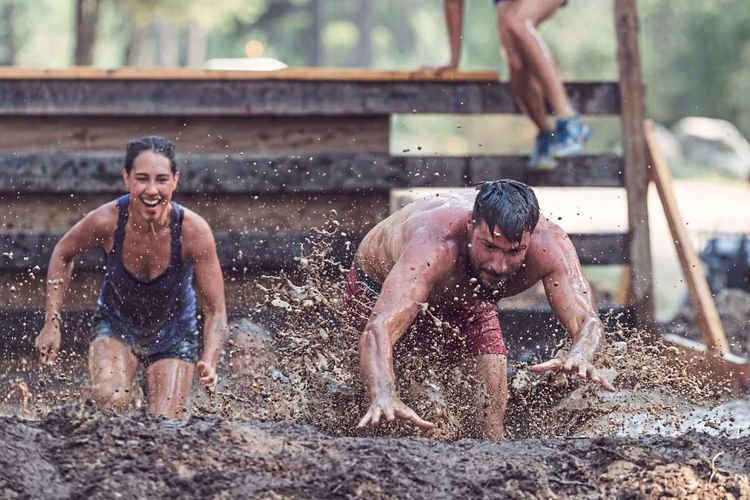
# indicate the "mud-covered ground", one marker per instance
pixel 282 421
pixel 79 452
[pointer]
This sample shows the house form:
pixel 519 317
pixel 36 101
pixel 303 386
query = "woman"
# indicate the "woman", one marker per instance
pixel 146 309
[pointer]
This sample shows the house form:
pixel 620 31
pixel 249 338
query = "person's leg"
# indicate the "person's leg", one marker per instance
pixel 169 384
pixel 487 346
pixel 522 28
pixel 490 371
pixel 526 86
pixel 112 366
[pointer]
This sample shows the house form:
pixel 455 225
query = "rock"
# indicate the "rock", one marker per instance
pixel 717 143
pixel 669 144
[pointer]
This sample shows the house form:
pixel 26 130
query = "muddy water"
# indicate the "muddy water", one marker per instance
pixel 282 421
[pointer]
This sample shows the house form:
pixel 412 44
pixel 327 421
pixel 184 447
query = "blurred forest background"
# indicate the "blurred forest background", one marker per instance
pixel 696 54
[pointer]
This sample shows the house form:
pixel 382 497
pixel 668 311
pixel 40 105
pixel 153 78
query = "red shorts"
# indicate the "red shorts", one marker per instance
pixel 477 320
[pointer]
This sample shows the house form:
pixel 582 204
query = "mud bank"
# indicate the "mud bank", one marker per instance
pixel 77 451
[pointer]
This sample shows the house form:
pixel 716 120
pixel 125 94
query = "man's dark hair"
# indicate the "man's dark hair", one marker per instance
pixel 152 143
pixel 510 205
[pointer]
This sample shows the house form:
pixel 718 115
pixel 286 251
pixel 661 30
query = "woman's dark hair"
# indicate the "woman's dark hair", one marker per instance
pixel 510 205
pixel 152 143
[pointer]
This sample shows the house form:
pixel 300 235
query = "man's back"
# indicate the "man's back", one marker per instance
pixel 432 220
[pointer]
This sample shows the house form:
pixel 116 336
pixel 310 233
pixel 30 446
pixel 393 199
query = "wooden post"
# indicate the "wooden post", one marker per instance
pixel 634 152
pixel 706 314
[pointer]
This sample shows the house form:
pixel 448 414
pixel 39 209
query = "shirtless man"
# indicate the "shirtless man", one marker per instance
pixel 146 309
pixel 533 75
pixel 461 254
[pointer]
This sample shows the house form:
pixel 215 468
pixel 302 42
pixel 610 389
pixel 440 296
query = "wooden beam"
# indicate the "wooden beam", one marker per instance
pixel 706 314
pixel 303 74
pixel 577 171
pixel 527 330
pixel 607 249
pixel 634 151
pixel 319 173
pixel 263 250
pixel 256 135
pixel 118 97
pixel 725 370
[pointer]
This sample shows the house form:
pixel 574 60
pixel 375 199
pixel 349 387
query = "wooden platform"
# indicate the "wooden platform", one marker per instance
pixel 100 172
pixel 264 250
pixel 282 93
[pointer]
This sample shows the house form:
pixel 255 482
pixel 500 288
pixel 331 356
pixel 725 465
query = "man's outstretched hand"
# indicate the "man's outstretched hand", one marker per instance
pixel 574 363
pixel 391 407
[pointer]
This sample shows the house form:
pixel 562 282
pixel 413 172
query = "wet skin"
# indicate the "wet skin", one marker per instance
pixel 146 254
pixel 431 251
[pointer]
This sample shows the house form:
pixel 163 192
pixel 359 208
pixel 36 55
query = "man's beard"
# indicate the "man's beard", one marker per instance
pixel 490 293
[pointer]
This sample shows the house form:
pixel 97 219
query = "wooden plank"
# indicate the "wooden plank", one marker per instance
pixel 314 74
pixel 18 291
pixel 634 151
pixel 606 249
pixel 209 134
pixel 242 251
pixel 319 173
pixel 706 314
pixel 526 330
pixel 110 97
pixel 587 170
pixel 264 250
pixel 724 370
pixel 236 212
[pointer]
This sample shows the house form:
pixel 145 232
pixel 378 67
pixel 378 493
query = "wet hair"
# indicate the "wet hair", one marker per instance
pixel 153 143
pixel 510 205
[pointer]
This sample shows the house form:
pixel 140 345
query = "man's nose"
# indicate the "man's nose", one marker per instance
pixel 499 266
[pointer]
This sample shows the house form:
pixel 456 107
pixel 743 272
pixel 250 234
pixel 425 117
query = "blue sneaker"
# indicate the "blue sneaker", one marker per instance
pixel 571 135
pixel 541 155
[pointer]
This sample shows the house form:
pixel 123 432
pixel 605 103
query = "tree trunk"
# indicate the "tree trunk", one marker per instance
pixel 316 54
pixel 8 56
pixel 364 21
pixel 134 50
pixel 87 20
pixel 196 46
pixel 167 44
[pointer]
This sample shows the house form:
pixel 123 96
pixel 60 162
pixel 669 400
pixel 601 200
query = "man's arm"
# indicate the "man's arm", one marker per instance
pixel 210 285
pixel 88 233
pixel 570 297
pixel 407 285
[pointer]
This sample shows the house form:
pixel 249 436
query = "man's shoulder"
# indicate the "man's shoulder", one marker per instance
pixel 551 244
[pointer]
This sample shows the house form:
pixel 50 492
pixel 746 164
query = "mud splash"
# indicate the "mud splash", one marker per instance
pixel 281 424
pixel 306 368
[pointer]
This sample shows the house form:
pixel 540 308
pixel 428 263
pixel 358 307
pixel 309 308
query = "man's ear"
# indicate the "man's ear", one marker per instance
pixel 126 179
pixel 176 178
